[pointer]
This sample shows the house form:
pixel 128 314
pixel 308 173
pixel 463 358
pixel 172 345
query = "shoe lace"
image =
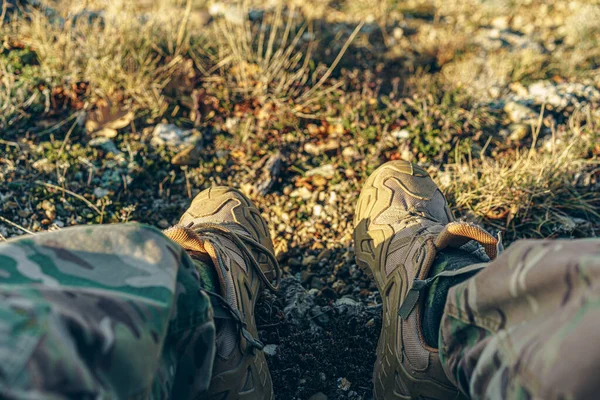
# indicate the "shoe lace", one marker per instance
pixel 242 242
pixel 223 310
pixel 195 234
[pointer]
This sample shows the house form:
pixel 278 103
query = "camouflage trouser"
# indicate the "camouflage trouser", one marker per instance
pixel 116 311
pixel 103 312
pixel 528 325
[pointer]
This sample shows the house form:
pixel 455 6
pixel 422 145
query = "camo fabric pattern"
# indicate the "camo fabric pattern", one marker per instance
pixel 527 326
pixel 103 312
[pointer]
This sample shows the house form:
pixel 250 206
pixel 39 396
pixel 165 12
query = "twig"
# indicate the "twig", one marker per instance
pixel 58 125
pixel 7 221
pixel 183 26
pixel 4 8
pixel 68 135
pixel 78 196
pixel 536 131
pixel 9 143
pixel 335 62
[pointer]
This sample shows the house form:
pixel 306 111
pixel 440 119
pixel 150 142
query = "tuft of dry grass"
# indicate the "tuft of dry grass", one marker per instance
pixel 273 60
pixel 536 192
pixel 121 53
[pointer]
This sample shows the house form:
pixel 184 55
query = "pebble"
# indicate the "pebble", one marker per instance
pixel 270 349
pixel 308 260
pixel 346 301
pixel 349 152
pixel 100 192
pixel 519 132
pixel 317 210
pixel 400 134
pixel 105 144
pixel 172 135
pixel 302 193
pixel 327 171
pixel 344 384
pixel 519 113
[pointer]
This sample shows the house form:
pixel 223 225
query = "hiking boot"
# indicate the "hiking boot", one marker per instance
pixel 402 220
pixel 224 228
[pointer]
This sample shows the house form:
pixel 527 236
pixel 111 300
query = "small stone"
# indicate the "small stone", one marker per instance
pixel 343 384
pixel 398 32
pixel 100 192
pixel 163 224
pixel 105 144
pixel 332 198
pixel 346 301
pixel 349 152
pixel 49 209
pixel 518 132
pixel 318 396
pixel 23 213
pixel 501 22
pixel 311 149
pixel 317 210
pixel 519 113
pixel 231 124
pixel 327 171
pixel 324 255
pixel 270 349
pixel 308 260
pixel 302 193
pixel 317 283
pixel 174 136
pixel 400 134
pixel 44 165
pixel 335 129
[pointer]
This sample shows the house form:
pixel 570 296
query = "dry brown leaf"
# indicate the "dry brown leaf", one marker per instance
pixel 105 120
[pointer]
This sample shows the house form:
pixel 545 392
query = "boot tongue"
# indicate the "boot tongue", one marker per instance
pixel 456 234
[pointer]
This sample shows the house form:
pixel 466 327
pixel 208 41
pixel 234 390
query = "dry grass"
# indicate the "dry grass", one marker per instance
pixel 537 192
pixel 273 60
pixel 120 52
pixel 14 96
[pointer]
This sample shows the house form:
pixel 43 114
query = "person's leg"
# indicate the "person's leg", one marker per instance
pixel 405 237
pixel 224 228
pixel 528 325
pixel 101 312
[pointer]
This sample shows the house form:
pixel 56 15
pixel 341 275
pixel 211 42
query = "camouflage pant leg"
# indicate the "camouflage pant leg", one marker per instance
pixel 527 326
pixel 103 312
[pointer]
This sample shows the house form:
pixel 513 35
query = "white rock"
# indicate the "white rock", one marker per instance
pixel 172 135
pixel 400 134
pixel 519 113
pixel 100 192
pixel 270 349
pixel 326 171
pixel 317 210
pixel 302 193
